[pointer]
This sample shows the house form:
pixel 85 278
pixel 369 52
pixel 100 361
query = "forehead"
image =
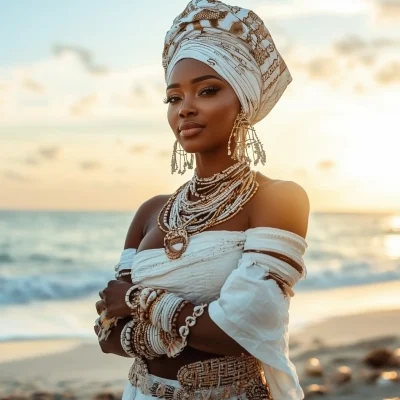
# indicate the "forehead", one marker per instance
pixel 187 69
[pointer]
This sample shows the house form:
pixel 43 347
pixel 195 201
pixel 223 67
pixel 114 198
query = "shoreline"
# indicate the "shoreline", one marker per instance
pixel 78 367
pixel 365 325
pixel 324 305
pixel 347 327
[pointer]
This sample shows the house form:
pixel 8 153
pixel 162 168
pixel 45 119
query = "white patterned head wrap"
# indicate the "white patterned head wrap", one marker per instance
pixel 237 45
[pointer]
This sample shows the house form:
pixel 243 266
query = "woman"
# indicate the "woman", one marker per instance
pixel 204 283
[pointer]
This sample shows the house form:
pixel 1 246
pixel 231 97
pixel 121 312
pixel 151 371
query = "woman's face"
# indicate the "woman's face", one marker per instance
pixel 202 106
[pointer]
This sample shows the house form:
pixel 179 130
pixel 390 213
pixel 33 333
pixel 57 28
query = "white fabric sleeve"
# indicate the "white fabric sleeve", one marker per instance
pixel 126 260
pixel 255 312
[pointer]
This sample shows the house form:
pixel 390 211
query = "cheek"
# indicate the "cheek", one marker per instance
pixel 171 116
pixel 224 110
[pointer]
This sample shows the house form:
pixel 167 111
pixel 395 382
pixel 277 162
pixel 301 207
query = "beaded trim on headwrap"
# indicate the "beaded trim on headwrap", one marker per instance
pixel 236 44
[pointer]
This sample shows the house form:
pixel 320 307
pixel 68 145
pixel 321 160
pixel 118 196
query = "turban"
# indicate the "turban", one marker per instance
pixel 236 44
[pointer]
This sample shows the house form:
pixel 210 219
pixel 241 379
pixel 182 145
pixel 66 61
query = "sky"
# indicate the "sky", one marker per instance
pixel 83 125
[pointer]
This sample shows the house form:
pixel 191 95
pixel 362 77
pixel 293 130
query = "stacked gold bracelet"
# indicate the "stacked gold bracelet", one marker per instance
pixel 156 312
pixel 157 306
pixel 141 338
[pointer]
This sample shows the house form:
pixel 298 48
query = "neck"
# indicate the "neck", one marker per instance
pixel 208 164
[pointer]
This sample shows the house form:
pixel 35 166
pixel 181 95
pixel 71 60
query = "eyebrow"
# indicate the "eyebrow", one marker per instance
pixel 195 80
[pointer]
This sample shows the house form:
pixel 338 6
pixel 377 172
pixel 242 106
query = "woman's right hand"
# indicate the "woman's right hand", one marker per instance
pixel 100 305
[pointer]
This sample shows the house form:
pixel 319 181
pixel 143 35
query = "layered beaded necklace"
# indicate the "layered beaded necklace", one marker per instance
pixel 220 197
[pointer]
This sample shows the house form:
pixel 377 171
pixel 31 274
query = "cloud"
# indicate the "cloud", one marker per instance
pixel 139 91
pixel 380 56
pixel 131 98
pixel 326 165
pixel 349 44
pixel 15 176
pixel 90 165
pixel 33 86
pixel 352 62
pixel 389 73
pixel 380 12
pixel 31 161
pixel 352 44
pixel 130 94
pixel 49 153
pixel 165 153
pixel 359 88
pixel 321 68
pixel 301 173
pixel 387 11
pixel 298 8
pixel 83 106
pixel 138 148
pixel 85 56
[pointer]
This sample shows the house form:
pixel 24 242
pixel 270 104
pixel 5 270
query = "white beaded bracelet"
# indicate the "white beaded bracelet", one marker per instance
pixel 126 338
pixel 190 321
pixel 176 346
pixel 128 294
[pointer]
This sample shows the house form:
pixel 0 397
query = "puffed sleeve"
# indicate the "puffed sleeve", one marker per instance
pixel 125 261
pixel 253 307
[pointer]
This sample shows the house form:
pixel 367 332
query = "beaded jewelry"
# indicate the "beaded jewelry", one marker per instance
pixel 244 137
pixel 122 274
pixel 190 321
pixel 222 196
pixel 126 338
pixel 183 159
pixel 105 325
pixel 155 312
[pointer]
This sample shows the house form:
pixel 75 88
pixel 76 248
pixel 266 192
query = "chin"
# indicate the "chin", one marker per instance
pixel 194 144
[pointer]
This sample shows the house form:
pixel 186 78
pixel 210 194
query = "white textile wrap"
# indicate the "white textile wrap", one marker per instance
pixel 126 260
pixel 236 44
pixel 255 312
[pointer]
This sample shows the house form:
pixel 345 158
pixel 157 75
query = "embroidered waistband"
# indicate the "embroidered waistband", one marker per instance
pixel 215 378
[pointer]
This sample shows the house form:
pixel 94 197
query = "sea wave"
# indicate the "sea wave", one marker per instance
pixel 64 286
pixel 350 274
pixel 26 289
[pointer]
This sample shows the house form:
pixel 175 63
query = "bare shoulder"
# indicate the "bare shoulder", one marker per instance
pixel 280 204
pixel 143 216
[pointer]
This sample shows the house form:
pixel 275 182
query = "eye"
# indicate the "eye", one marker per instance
pixel 171 99
pixel 209 90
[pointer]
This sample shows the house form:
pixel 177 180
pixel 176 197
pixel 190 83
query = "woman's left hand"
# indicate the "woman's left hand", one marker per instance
pixel 113 343
pixel 114 299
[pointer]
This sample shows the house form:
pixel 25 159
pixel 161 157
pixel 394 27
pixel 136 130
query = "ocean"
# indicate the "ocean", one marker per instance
pixel 53 264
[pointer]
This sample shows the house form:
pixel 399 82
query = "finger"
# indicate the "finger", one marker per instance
pixel 100 306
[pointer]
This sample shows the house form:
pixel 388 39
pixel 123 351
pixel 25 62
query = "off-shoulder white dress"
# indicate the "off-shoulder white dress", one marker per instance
pixel 252 310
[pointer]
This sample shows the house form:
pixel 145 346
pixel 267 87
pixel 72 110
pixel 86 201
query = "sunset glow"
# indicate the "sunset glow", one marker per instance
pixel 83 125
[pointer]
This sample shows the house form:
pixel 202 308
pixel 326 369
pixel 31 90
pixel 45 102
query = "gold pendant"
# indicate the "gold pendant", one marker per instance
pixel 175 243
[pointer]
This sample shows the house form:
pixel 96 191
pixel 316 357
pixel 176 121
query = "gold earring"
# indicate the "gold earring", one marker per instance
pixel 183 159
pixel 245 137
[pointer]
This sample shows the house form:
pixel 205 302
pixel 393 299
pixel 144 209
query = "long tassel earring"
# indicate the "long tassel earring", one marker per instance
pixel 245 139
pixel 183 162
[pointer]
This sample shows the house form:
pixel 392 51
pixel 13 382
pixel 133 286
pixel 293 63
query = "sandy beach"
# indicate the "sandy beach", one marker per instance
pixel 77 369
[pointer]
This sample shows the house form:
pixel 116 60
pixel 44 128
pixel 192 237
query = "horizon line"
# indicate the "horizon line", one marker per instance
pixel 349 211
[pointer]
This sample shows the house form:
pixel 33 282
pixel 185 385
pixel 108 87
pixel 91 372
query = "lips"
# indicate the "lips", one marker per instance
pixel 189 125
pixel 187 129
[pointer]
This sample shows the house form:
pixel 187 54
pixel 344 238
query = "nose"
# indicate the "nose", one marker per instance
pixel 187 109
